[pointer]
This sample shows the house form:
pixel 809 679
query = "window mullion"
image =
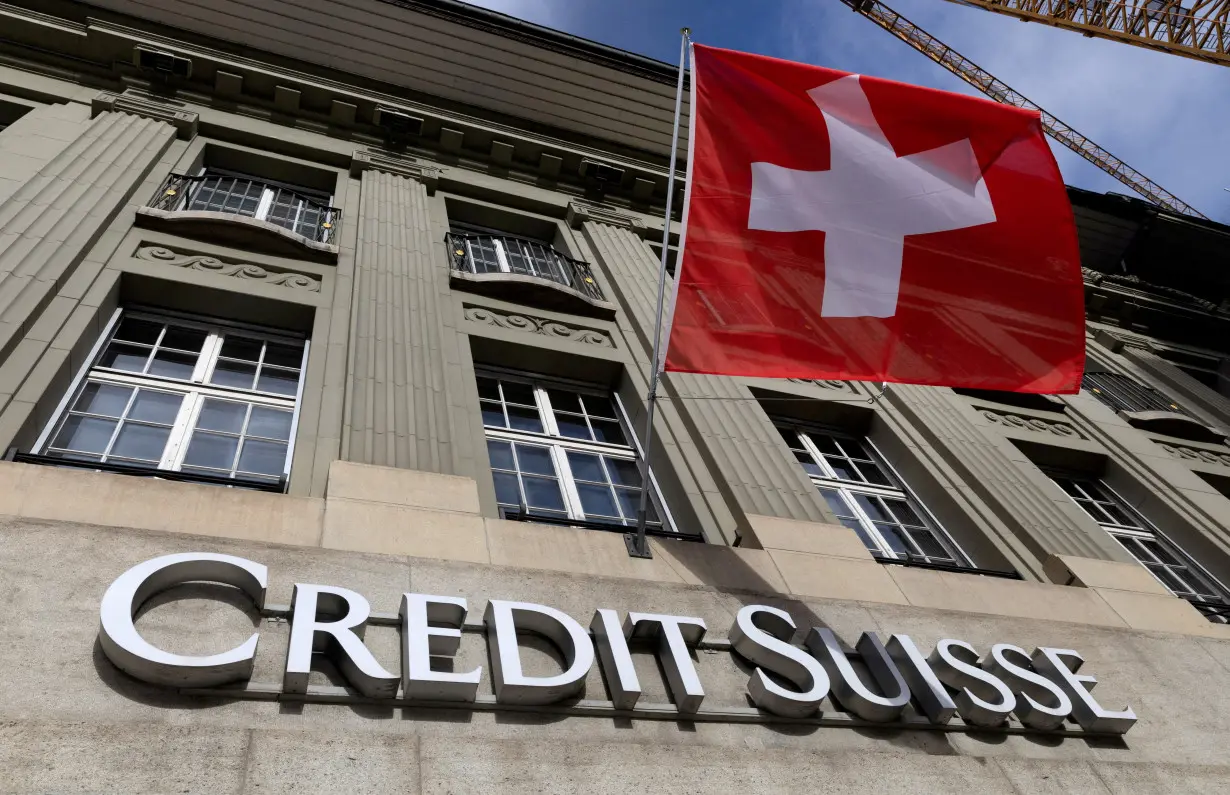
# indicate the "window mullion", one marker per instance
pixel 865 521
pixel 262 209
pixel 173 454
pixel 209 356
pixel 501 256
pixel 568 486
pixel 543 400
pixel 814 452
pixel 120 422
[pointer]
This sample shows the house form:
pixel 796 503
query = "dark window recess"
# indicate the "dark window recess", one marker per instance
pixel 494 254
pixel 1122 393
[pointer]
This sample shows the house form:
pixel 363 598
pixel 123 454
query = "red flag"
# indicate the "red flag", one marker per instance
pixel 846 227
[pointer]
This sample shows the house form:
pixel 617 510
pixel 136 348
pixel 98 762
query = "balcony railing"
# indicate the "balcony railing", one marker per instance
pixel 298 212
pixel 494 254
pixel 1121 393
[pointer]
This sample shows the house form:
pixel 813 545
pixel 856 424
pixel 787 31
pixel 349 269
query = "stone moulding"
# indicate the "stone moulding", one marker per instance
pixel 580 212
pixel 392 163
pixel 537 325
pixel 238 270
pixel 184 121
pixel 1197 454
pixel 1023 423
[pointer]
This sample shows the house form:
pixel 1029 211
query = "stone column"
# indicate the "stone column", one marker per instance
pixel 748 466
pixel 396 410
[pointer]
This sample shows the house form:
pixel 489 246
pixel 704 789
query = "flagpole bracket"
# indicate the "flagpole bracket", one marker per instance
pixel 632 541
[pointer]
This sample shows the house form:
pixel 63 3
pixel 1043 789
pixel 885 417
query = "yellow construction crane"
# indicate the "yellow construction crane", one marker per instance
pixel 1200 30
pixel 1000 91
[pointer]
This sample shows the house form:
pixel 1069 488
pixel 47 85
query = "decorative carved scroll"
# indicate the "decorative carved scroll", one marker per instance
pixel 538 325
pixel 1197 454
pixel 239 270
pixel 1023 423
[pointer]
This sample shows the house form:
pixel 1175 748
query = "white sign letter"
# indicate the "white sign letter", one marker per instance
pixel 762 635
pixel 512 686
pixel 342 638
pixel 1087 711
pixel 421 641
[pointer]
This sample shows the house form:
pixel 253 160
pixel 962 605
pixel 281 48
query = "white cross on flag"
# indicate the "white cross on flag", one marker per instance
pixel 844 227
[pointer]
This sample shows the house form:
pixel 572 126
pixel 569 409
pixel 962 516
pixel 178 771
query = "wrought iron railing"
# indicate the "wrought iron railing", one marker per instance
pixel 655 530
pixel 956 568
pixel 483 254
pixel 145 472
pixel 1217 612
pixel 299 212
pixel 1122 393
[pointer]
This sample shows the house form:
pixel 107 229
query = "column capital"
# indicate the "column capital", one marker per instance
pixel 393 163
pixel 579 212
pixel 184 121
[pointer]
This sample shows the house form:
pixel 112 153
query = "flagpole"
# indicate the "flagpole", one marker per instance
pixel 638 545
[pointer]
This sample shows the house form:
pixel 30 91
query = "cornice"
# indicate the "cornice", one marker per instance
pixel 184 121
pixel 394 163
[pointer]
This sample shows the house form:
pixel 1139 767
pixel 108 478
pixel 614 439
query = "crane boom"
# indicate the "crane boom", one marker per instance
pixel 996 89
pixel 1200 31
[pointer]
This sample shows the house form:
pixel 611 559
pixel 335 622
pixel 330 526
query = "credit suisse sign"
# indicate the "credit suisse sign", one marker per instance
pixel 875 683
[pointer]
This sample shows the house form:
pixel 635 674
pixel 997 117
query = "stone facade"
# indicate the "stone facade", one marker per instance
pixel 388 485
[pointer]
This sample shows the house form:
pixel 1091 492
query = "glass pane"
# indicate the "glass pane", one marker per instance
pixel 156 406
pixel 873 474
pixel 837 503
pixel 500 454
pixel 857 527
pixel 630 501
pixel 135 330
pixel 141 441
pixel 524 419
pixel 929 544
pixel 904 512
pixel 854 449
pixel 536 460
pixel 1118 515
pixel 488 388
pixel 284 355
pixel 105 399
pixel 790 437
pixel 124 357
pixel 809 466
pixel 894 539
pixel 183 339
pixel 597 500
pixel 873 508
pixel 234 347
pixel 624 471
pixel 211 450
pixel 599 407
pixel 270 423
pixel 572 426
pixel 518 393
pixel 1069 487
pixel 608 431
pixel 506 490
pixel 222 415
pixel 543 493
pixel 234 374
pixel 173 365
pixel 564 401
pixel 267 458
pixel 493 415
pixel 586 467
pixel 280 382
pixel 1163 554
pixel 843 469
pixel 825 443
pixel 87 434
pixel 1169 579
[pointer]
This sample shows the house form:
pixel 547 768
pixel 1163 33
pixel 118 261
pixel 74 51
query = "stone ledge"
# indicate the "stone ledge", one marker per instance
pixel 406 487
pixel 1102 574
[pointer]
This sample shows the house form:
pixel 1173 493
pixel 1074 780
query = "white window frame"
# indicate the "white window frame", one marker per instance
pixel 848 488
pixel 559 445
pixel 195 390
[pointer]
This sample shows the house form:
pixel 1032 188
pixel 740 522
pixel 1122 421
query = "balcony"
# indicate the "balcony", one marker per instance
pixel 525 271
pixel 266 215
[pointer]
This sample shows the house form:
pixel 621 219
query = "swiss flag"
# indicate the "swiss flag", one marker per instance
pixel 846 227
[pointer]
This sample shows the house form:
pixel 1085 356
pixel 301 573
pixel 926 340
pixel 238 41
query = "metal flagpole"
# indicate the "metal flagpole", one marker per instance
pixel 638 545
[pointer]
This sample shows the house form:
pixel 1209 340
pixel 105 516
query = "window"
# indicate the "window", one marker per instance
pixel 479 252
pixel 1169 564
pixel 1122 393
pixel 561 455
pixel 863 494
pixel 182 395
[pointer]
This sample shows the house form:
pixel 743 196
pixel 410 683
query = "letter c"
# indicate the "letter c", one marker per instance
pixel 132 654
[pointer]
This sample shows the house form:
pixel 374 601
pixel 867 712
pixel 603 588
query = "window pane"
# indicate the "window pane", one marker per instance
pixel 169 364
pixel 156 406
pixel 630 501
pixel 1118 515
pixel 141 441
pixel 894 539
pixel 488 388
pixel 843 469
pixel 507 492
pixel 246 348
pixel 183 339
pixel 222 415
pixel 809 466
pixel 599 407
pixel 586 467
pixel 873 508
pixel 536 460
pixel 105 399
pixel 929 544
pixel 904 513
pixel 1163 554
pixel 87 434
pixel 857 527
pixel 572 426
pixel 1169 579
pixel 268 458
pixel 837 503
pixel 493 415
pixel 524 419
pixel 211 450
pixel 284 355
pixel 790 437
pixel 270 423
pixel 543 493
pixel 1070 487
pixel 873 474
pixel 825 443
pixel 280 382
pixel 608 431
pixel 518 393
pixel 500 454
pixel 564 401
pixel 597 500
pixel 135 330
pixel 624 471
pixel 234 374
pixel 124 357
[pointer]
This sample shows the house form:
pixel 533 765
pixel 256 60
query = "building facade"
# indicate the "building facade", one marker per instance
pixel 364 292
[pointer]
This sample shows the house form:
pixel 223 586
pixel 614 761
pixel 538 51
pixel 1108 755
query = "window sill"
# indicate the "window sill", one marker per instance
pixel 1170 423
pixel 239 230
pixel 949 567
pixel 581 524
pixel 146 472
pixel 532 291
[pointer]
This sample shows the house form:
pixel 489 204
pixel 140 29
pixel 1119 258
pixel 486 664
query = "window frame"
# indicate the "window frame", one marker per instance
pixel 559 445
pixel 194 391
pixel 898 490
pixel 1145 530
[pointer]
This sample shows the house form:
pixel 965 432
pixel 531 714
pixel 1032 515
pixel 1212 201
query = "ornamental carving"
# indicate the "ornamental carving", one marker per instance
pixel 842 385
pixel 238 270
pixel 1023 423
pixel 538 325
pixel 1197 454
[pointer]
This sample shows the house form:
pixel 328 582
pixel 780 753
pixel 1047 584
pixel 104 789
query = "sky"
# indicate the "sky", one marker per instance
pixel 1166 116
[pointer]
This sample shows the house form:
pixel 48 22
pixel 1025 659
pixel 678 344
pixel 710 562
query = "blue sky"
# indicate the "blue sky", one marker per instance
pixel 1168 117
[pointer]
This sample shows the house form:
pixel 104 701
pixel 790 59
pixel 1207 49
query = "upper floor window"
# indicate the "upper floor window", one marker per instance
pixel 184 395
pixel 563 455
pixel 480 252
pixel 300 210
pixel 1122 393
pixel 867 497
pixel 1169 564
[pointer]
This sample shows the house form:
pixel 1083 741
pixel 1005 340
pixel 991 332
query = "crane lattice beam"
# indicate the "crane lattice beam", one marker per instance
pixel 1000 91
pixel 1200 30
